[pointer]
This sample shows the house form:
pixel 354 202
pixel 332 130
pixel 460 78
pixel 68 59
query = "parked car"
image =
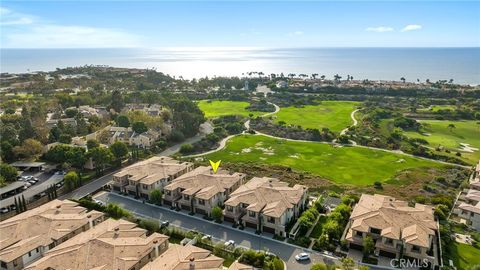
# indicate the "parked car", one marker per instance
pixel 99 202
pixel 207 237
pixel 164 224
pixel 27 185
pixel 33 182
pixel 4 210
pixel 302 257
pixel 230 243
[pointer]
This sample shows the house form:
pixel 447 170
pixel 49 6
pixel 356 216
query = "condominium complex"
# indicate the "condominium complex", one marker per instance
pixel 111 245
pixel 154 173
pixel 27 236
pixel 396 228
pixel 200 190
pixel 265 204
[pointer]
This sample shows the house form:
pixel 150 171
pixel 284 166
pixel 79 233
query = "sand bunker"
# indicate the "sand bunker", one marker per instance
pixel 465 147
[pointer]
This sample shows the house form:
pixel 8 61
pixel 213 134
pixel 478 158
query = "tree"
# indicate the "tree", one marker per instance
pixel 451 127
pixel 71 112
pixel 65 138
pixel 30 148
pixel 9 173
pixel 368 246
pixel 403 79
pixel 6 152
pixel 92 144
pixel 217 214
pixel 54 134
pixel 77 157
pixel 156 196
pixel 117 101
pixel 119 150
pixel 348 263
pixel 139 127
pixel 71 181
pixel 101 156
pixel 116 211
pixel 186 149
pixel 319 266
pixel 122 121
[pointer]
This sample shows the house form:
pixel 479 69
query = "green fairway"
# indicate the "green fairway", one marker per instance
pixel 218 108
pixel 465 255
pixel 437 132
pixel 436 108
pixel 334 115
pixel 344 165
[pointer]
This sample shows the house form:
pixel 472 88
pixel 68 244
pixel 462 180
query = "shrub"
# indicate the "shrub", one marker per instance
pixel 186 149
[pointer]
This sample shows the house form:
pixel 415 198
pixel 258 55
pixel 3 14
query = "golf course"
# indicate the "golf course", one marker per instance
pixel 342 165
pixel 218 108
pixel 334 115
pixel 442 133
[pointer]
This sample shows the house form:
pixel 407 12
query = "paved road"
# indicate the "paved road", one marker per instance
pixel 219 231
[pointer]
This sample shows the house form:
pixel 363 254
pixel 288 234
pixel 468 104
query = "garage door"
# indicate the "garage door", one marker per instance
pixel 185 207
pixel 387 254
pixel 251 225
pixel 167 202
pixel 268 229
pixel 229 219
pixel 200 211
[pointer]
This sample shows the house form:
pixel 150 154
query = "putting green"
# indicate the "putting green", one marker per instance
pixel 218 108
pixel 334 115
pixel 438 132
pixel 344 165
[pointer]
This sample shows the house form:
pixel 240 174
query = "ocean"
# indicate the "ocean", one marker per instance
pixel 460 64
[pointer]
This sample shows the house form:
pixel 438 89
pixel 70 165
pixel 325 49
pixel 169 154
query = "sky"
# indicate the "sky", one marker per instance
pixel 262 24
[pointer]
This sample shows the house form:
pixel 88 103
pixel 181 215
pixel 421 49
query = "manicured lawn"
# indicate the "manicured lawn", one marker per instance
pixel 334 115
pixel 436 108
pixel 437 133
pixel 465 255
pixel 317 230
pixel 218 108
pixel 344 165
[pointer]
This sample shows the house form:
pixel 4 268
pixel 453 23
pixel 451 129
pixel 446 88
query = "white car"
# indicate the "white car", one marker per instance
pixel 4 210
pixel 207 237
pixel 302 257
pixel 230 243
pixel 99 202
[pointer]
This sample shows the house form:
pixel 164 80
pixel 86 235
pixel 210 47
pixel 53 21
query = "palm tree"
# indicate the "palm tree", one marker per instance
pixel 314 75
pixel 337 77
pixel 402 79
pixel 427 81
pixel 322 77
pixel 450 81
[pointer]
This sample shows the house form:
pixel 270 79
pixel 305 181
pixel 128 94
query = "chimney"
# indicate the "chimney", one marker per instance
pixel 90 222
pixel 115 234
pixel 270 181
pixel 58 209
pixel 192 263
pixel 156 247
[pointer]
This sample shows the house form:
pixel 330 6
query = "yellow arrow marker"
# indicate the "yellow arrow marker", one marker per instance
pixel 215 165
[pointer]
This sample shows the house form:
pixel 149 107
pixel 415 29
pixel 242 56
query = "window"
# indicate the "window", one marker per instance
pixel 201 202
pixel 251 214
pixel 38 249
pixel 229 208
pixel 359 234
pixel 271 220
pixel 168 193
pixel 415 249
pixel 29 254
pixel 145 186
pixel 186 197
pixel 375 230
pixel 389 241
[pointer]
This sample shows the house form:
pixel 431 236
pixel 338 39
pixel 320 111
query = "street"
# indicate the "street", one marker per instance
pixel 223 232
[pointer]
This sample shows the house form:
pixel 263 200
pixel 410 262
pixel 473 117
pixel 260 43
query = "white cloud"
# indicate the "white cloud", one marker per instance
pixel 23 31
pixel 411 27
pixel 296 33
pixel 379 29
pixel 8 17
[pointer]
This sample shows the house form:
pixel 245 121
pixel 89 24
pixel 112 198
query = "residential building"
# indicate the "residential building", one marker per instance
pixel 144 140
pixel 50 123
pixel 282 84
pixel 25 237
pixel 111 245
pixel 396 228
pixel 266 204
pixel 187 257
pixel 154 173
pixel 200 190
pixel 469 209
